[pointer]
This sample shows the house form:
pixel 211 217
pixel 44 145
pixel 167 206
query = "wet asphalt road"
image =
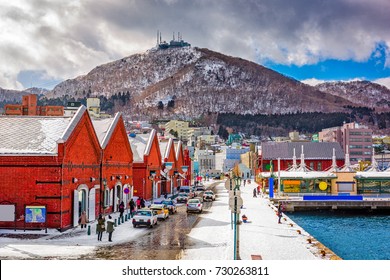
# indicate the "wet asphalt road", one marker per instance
pixel 166 241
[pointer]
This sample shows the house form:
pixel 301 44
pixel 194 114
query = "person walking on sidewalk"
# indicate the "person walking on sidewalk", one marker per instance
pixel 100 227
pixel 83 220
pixel 121 209
pixel 254 192
pixel 132 207
pixel 110 228
pixel 280 212
pixel 138 203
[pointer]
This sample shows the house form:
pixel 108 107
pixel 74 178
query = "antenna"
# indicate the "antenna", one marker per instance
pixel 160 37
pixel 157 36
pixel 173 35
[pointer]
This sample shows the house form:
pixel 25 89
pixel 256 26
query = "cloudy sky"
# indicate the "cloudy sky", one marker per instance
pixel 43 42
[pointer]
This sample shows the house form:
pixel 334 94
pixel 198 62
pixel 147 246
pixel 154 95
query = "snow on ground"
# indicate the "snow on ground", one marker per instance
pixel 211 238
pixel 261 236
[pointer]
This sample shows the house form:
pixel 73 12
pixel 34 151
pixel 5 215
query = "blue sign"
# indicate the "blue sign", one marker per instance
pixel 35 214
pixel 271 187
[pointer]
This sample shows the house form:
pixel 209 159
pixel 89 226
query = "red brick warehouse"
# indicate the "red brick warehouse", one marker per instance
pixel 52 162
pixel 147 165
pixel 117 163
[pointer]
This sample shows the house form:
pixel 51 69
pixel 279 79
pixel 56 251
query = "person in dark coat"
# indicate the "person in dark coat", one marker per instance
pixel 100 227
pixel 132 207
pixel 280 212
pixel 142 202
pixel 121 209
pixel 254 192
pixel 110 228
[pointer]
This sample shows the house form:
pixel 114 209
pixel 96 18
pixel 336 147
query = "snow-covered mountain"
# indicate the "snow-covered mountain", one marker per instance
pixel 199 81
pixel 362 93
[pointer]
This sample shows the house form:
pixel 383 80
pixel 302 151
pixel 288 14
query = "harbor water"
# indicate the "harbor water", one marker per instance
pixel 350 235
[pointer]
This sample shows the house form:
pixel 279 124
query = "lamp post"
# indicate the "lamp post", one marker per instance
pixel 168 167
pixel 151 177
pixel 237 180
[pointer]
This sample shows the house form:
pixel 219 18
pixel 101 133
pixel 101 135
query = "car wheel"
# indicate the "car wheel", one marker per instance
pixel 134 225
pixel 151 225
pixel 200 211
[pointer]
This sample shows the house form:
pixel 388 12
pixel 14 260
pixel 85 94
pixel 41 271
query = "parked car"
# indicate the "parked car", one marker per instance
pixel 161 209
pixel 182 198
pixel 208 195
pixel 170 205
pixel 194 205
pixel 145 217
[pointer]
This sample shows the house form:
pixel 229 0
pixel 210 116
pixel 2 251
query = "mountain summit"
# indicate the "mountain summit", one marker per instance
pixel 198 81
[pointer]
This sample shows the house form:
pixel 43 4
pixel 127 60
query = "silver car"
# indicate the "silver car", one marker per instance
pixel 194 205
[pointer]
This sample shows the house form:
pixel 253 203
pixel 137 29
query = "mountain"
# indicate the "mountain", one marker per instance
pixel 362 93
pixel 188 82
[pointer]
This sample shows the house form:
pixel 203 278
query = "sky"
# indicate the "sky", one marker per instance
pixel 44 42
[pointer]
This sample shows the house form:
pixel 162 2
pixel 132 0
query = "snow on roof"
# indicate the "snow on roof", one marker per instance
pixel 372 174
pixel 104 128
pixel 32 134
pixel 138 146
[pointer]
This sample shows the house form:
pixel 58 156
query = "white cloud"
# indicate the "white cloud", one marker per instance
pixel 383 81
pixel 69 38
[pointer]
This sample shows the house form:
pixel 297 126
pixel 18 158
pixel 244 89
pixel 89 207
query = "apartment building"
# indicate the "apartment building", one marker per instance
pixel 354 138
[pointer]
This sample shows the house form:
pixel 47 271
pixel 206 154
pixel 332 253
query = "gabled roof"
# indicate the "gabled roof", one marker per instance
pixel 179 147
pixel 311 150
pixel 36 135
pixel 104 128
pixel 138 146
pixel 165 148
pixel 141 145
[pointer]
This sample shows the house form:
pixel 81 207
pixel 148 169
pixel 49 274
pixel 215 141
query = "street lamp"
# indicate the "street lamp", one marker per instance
pixel 151 177
pixel 236 210
pixel 168 167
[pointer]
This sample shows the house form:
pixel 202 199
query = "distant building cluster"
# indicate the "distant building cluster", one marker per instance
pixel 29 107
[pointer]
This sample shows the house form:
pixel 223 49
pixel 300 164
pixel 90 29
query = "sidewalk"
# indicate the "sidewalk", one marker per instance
pixel 263 236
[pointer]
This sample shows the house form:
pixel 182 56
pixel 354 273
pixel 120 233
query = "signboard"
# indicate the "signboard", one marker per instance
pixel 35 214
pixel 229 184
pixel 7 213
pixel 291 186
pixel 271 187
pixel 235 201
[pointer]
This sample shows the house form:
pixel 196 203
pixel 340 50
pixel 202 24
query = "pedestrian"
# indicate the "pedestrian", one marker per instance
pixel 100 227
pixel 244 182
pixel 258 189
pixel 110 228
pixel 83 219
pixel 142 202
pixel 138 203
pixel 244 218
pixel 280 212
pixel 165 195
pixel 254 192
pixel 132 207
pixel 121 209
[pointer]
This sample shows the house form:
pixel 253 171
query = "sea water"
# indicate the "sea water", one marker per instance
pixel 351 236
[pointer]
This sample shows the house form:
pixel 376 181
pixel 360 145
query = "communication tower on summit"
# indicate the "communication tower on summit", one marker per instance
pixel 179 43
